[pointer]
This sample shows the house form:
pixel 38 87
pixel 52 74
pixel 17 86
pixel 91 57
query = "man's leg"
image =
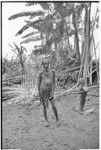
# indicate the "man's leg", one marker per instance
pixel 55 111
pixel 82 103
pixel 45 114
pixel 54 108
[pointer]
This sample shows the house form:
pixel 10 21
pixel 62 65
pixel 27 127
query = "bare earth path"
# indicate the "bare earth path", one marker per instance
pixel 23 126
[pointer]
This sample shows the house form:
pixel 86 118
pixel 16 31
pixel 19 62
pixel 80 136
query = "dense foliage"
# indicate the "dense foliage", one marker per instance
pixel 56 24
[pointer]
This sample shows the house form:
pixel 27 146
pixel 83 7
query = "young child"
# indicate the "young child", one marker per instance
pixel 83 94
pixel 46 86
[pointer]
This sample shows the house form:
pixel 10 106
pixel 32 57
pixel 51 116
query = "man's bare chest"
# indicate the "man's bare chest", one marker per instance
pixel 47 78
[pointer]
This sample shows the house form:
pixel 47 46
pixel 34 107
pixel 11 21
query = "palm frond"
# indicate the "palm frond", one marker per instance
pixel 22 30
pixel 47 24
pixel 30 34
pixel 69 5
pixel 23 48
pixel 17 48
pixel 61 27
pixel 79 10
pixel 14 50
pixel 29 24
pixel 57 5
pixel 58 32
pixel 32 23
pixel 31 39
pixel 64 10
pixel 11 46
pixel 38 46
pixel 41 51
pixel 44 5
pixel 48 44
pixel 37 26
pixel 22 14
pixel 30 4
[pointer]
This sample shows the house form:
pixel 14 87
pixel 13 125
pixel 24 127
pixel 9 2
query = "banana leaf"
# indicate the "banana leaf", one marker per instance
pixel 31 39
pixel 30 34
pixel 23 14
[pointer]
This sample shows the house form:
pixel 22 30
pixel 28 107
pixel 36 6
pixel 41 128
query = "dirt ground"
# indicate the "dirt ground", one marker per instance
pixel 23 125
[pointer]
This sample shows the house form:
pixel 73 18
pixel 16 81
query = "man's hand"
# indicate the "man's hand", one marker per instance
pixel 86 88
pixel 52 93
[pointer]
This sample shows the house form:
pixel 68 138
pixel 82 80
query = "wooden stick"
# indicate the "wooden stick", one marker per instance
pixel 73 69
pixel 91 65
pixel 96 95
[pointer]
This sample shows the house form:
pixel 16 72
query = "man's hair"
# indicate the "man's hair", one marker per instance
pixel 45 61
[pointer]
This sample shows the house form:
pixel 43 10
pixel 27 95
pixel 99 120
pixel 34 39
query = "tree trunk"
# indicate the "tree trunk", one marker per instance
pixel 87 42
pixel 57 51
pixel 86 45
pixel 22 65
pixel 41 40
pixel 76 36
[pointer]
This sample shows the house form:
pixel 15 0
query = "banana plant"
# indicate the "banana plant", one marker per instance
pixel 45 23
pixel 19 51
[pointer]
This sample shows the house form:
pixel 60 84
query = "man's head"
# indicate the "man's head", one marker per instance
pixel 81 81
pixel 45 63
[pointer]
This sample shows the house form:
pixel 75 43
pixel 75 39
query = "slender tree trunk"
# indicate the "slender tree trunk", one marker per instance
pixel 68 42
pixel 57 52
pixel 87 42
pixel 76 36
pixel 41 39
pixel 22 65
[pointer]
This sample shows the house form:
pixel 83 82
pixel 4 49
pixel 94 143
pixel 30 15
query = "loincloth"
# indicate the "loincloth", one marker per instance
pixel 46 95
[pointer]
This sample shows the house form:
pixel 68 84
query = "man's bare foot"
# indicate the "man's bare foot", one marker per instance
pixel 58 123
pixel 46 124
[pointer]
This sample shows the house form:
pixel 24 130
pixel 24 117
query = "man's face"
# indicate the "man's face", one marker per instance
pixel 45 64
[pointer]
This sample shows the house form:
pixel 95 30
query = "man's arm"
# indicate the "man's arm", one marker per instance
pixel 53 81
pixel 39 82
pixel 82 90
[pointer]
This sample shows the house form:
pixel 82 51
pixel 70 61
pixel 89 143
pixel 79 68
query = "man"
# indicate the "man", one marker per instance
pixel 46 86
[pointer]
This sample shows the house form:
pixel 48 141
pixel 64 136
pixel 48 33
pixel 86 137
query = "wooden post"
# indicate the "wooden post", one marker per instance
pixel 91 73
pixel 96 59
pixel 87 42
pixel 91 53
